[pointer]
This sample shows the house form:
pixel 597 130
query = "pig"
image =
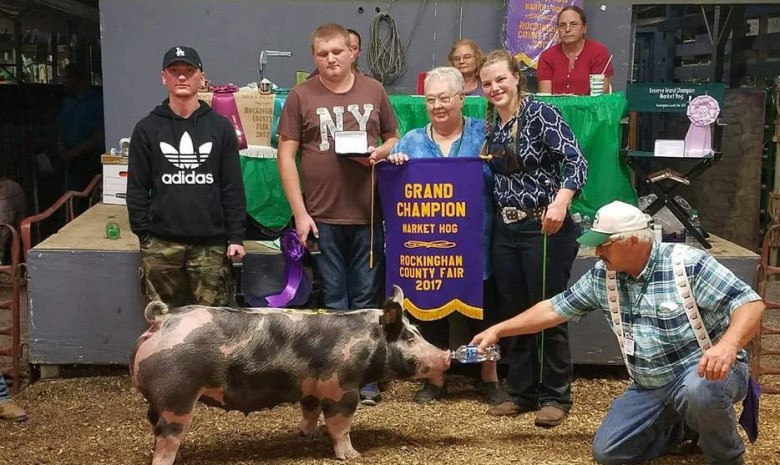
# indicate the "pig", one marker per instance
pixel 255 359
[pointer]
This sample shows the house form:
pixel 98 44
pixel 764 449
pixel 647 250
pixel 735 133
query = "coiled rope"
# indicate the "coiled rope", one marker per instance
pixel 386 53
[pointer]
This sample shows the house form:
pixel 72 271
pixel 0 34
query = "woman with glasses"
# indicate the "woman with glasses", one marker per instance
pixel 466 55
pixel 538 167
pixel 451 135
pixel 565 68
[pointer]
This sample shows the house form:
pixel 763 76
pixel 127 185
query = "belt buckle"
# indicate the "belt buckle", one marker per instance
pixel 513 215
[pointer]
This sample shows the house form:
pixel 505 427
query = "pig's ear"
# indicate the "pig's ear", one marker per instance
pixel 392 320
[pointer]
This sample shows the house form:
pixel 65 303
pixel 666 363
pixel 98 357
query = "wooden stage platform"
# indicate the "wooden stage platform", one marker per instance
pixel 85 306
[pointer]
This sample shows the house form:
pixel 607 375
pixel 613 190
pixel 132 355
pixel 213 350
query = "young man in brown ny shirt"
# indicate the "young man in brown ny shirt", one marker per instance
pixel 337 204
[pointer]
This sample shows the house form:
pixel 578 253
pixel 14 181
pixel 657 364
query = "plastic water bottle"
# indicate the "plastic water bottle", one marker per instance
pixel 586 224
pixel 658 233
pixel 696 224
pixel 113 230
pixel 469 354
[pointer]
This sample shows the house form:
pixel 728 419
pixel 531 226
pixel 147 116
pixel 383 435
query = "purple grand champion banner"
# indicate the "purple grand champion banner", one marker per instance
pixel 531 27
pixel 433 217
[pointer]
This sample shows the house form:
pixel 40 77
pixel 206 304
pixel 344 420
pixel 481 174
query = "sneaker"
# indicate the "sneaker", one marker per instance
pixel 509 408
pixel 491 392
pixel 429 392
pixel 12 412
pixel 550 416
pixel 370 394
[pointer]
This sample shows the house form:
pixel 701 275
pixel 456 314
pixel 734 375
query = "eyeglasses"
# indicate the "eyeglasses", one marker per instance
pixel 431 100
pixel 463 58
pixel 608 242
pixel 573 25
pixel 504 159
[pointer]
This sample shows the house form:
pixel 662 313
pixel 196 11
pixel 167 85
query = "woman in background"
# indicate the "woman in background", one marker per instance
pixel 565 68
pixel 465 56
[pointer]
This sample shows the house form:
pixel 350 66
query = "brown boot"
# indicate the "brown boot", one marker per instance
pixel 550 416
pixel 509 408
pixel 12 412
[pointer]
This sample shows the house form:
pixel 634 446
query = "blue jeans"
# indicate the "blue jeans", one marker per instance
pixel 517 253
pixel 643 424
pixel 347 281
pixel 5 394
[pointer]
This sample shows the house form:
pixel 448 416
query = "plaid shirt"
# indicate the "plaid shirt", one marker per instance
pixel 664 342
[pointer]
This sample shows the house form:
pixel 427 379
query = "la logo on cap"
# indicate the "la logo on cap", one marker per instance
pixel 179 52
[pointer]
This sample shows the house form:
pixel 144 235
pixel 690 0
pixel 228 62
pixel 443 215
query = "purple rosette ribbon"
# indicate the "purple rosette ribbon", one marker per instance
pixel 702 111
pixel 224 103
pixel 293 252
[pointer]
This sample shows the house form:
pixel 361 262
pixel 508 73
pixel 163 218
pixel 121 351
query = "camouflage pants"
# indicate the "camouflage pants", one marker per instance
pixel 182 274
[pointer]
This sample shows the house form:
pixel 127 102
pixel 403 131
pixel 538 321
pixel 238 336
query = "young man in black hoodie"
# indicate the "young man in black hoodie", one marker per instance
pixel 185 192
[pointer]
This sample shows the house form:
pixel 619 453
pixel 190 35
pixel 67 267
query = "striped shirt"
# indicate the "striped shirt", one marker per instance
pixel 664 342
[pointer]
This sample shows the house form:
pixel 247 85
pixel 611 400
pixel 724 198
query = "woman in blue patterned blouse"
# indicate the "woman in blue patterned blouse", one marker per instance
pixel 538 168
pixel 451 135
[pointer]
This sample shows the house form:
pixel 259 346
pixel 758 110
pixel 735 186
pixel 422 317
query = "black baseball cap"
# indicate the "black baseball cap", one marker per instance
pixel 184 54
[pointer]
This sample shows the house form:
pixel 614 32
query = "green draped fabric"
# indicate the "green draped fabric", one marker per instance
pixel 596 123
pixel 411 114
pixel 594 120
pixel 265 200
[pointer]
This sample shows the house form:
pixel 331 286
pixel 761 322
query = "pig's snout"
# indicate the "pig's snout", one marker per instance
pixel 433 361
pixel 447 354
pixel 441 360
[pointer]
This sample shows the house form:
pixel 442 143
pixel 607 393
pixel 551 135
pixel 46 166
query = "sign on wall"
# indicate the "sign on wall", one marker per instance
pixel 531 27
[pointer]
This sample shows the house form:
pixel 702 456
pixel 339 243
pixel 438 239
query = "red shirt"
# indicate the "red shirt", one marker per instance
pixel 554 66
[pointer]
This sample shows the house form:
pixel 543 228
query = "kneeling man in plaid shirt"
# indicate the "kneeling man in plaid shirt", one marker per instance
pixel 681 320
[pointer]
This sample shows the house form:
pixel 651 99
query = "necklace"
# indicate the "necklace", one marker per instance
pixel 438 147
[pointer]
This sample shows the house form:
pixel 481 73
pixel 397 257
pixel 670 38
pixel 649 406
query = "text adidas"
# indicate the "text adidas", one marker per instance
pixel 183 177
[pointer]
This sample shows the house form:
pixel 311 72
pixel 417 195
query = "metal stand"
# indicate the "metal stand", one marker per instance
pixel 664 183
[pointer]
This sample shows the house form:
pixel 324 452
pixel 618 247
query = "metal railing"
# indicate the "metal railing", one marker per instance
pixel 65 200
pixel 761 347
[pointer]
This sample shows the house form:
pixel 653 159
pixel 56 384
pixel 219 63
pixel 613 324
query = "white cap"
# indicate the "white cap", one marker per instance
pixel 614 218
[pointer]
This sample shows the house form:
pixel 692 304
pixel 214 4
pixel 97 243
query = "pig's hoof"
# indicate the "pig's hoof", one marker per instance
pixel 348 454
pixel 313 434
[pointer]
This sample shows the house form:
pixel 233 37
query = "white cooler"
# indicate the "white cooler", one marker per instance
pixel 114 179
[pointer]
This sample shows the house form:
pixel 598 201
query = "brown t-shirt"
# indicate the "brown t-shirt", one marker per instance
pixel 336 190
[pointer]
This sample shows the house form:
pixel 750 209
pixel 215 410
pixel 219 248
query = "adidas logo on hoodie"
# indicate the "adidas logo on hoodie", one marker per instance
pixel 186 159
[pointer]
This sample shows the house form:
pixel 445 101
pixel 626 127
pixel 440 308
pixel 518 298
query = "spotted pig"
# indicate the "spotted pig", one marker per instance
pixel 255 359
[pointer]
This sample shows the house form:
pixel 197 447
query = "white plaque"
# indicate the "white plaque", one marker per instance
pixel 669 148
pixel 351 143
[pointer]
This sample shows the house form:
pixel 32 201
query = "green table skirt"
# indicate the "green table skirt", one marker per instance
pixel 594 120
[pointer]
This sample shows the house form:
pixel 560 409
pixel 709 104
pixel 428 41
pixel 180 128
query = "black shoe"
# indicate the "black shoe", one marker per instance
pixel 429 392
pixel 491 392
pixel 688 445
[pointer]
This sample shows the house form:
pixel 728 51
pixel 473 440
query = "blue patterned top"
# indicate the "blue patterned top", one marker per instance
pixel 550 152
pixel 664 342
pixel 417 143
